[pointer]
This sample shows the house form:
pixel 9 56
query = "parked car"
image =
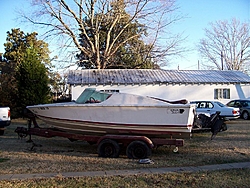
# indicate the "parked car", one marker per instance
pixel 243 105
pixel 211 107
pixel 4 118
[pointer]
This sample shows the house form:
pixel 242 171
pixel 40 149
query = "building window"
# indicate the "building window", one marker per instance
pixel 222 93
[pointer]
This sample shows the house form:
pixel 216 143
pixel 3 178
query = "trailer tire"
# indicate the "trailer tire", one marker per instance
pixel 108 148
pixel 138 150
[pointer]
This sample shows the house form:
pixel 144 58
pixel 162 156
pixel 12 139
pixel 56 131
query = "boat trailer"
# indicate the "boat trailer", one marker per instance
pixel 137 147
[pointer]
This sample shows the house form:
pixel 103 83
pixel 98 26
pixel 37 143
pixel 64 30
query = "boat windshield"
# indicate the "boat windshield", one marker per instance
pixel 90 95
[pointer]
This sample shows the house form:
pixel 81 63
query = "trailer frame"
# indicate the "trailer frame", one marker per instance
pixel 109 145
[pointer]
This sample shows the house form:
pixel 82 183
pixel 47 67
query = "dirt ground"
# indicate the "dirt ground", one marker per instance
pixel 61 155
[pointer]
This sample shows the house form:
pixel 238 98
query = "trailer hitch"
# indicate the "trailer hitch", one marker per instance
pixel 22 132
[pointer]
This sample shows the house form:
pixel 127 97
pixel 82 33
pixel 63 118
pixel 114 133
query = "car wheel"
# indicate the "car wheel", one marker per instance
pixel 245 115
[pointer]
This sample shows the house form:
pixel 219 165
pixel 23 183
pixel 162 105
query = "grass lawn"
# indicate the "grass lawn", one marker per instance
pixel 211 179
pixel 60 155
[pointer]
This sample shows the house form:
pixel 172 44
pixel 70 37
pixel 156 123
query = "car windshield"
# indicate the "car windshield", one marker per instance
pixel 220 104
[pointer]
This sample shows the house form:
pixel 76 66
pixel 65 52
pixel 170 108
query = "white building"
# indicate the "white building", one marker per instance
pixel 166 84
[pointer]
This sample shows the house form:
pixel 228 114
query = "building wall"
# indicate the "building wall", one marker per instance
pixel 173 91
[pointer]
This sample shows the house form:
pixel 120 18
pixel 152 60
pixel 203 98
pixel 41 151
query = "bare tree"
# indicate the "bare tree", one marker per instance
pixel 227 45
pixel 67 19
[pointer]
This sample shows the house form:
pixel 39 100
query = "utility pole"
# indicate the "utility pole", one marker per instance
pixel 221 58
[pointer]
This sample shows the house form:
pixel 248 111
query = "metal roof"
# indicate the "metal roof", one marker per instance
pixel 149 76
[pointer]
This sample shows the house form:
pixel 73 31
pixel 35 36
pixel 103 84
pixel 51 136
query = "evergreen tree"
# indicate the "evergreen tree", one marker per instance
pixel 8 90
pixel 24 71
pixel 32 80
pixel 17 42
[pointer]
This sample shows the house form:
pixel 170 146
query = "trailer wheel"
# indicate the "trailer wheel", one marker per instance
pixel 108 148
pixel 138 150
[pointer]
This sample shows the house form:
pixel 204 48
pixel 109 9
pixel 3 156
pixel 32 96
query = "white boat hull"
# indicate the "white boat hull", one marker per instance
pixel 119 114
pixel 154 121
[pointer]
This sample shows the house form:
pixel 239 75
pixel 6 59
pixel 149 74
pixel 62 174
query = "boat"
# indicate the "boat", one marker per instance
pixel 101 113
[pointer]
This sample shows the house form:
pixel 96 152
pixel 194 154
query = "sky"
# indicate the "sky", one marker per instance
pixel 198 14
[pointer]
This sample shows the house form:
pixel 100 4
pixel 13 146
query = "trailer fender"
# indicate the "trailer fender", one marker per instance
pixel 127 139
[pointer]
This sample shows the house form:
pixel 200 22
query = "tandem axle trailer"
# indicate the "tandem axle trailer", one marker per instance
pixel 137 147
